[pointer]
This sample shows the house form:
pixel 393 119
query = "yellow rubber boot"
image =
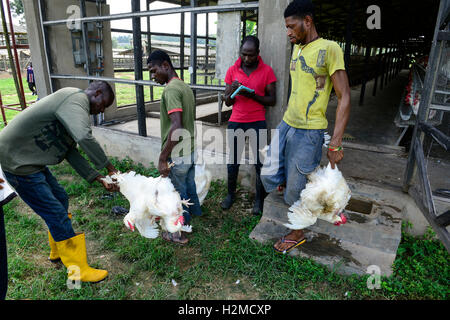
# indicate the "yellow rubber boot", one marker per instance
pixel 54 255
pixel 73 255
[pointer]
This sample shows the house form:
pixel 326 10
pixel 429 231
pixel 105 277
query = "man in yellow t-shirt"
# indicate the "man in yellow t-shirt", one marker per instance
pixel 316 66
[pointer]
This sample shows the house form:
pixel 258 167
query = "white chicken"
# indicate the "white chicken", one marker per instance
pixel 325 196
pixel 202 181
pixel 152 200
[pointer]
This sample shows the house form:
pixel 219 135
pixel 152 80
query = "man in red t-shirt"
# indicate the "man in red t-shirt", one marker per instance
pixel 249 111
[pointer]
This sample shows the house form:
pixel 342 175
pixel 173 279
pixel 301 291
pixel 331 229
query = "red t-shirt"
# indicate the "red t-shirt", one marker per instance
pixel 246 109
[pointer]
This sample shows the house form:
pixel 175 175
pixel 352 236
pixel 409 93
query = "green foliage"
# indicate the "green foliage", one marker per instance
pixel 251 28
pixel 17 7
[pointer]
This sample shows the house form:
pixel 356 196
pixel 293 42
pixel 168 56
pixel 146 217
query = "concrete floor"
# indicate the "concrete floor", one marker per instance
pixel 373 122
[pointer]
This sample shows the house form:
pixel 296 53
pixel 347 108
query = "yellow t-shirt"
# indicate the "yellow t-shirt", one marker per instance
pixel 311 68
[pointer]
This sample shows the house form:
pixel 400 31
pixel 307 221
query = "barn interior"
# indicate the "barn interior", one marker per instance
pixel 386 47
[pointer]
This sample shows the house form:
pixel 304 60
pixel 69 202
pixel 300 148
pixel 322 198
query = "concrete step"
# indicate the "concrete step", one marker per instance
pixel 370 237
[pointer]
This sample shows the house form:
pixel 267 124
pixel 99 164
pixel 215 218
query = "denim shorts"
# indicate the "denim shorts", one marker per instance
pixel 182 175
pixel 47 198
pixel 292 155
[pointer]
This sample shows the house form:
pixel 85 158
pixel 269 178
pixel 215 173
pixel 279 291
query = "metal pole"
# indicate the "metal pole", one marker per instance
pixel 388 64
pixel 164 34
pixel 244 29
pixel 194 47
pixel 364 81
pixel 134 82
pixel 85 37
pixel 11 59
pixel 377 73
pixel 23 101
pixel 137 43
pixel 45 41
pixel 182 42
pixel 348 35
pixel 207 46
pixel 193 10
pixel 149 50
pixel 392 62
pixel 383 66
pixel 5 123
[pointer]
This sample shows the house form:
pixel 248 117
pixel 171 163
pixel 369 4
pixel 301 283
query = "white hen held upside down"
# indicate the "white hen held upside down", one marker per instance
pixel 325 197
pixel 152 200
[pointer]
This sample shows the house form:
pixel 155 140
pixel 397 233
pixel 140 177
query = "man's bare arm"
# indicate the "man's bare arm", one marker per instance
pixel 177 123
pixel 268 100
pixel 342 89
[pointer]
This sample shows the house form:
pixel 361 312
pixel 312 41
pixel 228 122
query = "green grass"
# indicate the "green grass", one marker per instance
pixel 219 253
pixel 9 96
pixel 126 94
pixel 9 93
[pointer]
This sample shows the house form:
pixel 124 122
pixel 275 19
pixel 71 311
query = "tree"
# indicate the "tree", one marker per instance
pixel 17 10
pixel 17 7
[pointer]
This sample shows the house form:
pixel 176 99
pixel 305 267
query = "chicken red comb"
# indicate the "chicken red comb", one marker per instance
pixel 180 219
pixel 343 220
pixel 131 226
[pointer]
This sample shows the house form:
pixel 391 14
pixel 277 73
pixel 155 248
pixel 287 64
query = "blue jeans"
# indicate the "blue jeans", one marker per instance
pixel 47 198
pixel 292 155
pixel 182 175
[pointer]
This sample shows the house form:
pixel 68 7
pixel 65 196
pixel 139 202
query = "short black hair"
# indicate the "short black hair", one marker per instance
pixel 251 39
pixel 300 9
pixel 158 57
pixel 105 88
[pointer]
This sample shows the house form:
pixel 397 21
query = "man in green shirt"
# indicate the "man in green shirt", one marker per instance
pixel 177 116
pixel 46 134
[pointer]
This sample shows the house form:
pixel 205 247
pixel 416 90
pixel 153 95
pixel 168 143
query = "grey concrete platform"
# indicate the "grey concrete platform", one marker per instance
pixel 370 237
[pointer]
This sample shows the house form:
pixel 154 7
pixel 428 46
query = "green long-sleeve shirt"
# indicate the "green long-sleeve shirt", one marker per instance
pixel 48 132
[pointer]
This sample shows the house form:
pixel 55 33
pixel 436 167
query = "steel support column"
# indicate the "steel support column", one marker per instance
pixel 365 76
pixel 193 67
pixel 137 43
pixel 348 35
pixel 149 45
pixel 207 46
pixel 182 42
pixel 377 73
pixel 85 37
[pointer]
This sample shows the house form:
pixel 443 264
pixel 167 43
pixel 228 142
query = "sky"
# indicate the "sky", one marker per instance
pixel 166 23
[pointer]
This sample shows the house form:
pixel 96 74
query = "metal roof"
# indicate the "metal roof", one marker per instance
pixel 401 20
